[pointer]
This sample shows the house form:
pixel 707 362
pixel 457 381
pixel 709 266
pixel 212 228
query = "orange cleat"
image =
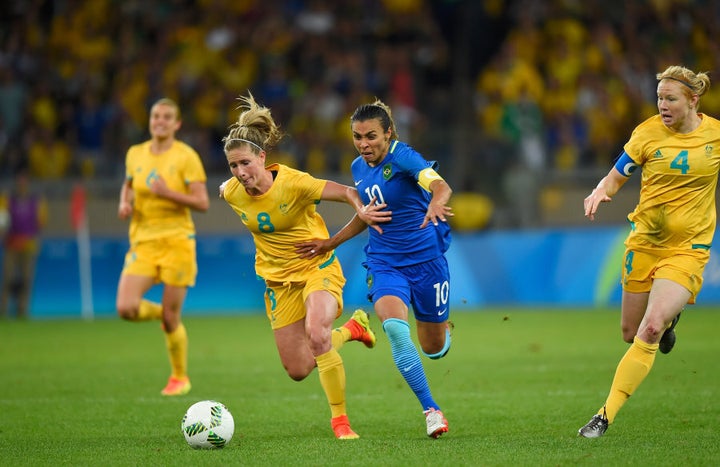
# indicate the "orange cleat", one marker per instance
pixel 341 427
pixel 359 326
pixel 177 387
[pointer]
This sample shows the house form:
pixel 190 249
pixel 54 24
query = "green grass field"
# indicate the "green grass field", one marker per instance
pixel 515 387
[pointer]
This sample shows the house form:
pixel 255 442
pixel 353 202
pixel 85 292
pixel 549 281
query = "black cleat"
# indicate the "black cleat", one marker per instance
pixel 667 341
pixel 595 428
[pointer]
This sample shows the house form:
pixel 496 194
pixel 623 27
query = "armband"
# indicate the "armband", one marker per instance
pixel 426 177
pixel 625 165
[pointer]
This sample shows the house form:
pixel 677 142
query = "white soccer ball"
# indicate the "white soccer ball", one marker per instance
pixel 208 425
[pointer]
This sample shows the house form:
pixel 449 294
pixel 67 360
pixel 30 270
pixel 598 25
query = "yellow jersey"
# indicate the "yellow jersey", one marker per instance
pixel 280 218
pixel 676 209
pixel 155 217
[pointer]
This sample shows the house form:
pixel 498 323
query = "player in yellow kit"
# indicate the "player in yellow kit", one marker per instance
pixel 164 181
pixel 303 297
pixel 672 227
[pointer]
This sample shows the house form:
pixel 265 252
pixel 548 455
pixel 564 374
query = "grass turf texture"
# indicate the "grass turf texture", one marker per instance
pixel 516 386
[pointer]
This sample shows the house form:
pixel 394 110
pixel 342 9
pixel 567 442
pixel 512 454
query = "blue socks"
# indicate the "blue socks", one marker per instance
pixel 443 351
pixel 407 360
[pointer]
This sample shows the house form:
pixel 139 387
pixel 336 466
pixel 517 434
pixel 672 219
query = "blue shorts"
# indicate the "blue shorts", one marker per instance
pixel 424 286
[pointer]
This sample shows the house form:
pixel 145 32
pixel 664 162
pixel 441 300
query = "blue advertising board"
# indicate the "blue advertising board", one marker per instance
pixel 545 268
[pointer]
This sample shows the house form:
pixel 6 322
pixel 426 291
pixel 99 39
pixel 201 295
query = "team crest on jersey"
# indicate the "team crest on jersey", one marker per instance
pixel 283 208
pixel 658 154
pixel 708 150
pixel 387 171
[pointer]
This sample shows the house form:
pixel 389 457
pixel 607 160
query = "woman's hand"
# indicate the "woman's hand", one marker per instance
pixel 436 212
pixel 373 214
pixel 313 248
pixel 593 200
pixel 124 210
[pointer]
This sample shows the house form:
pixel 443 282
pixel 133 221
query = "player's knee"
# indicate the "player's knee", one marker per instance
pixel 655 330
pixel 297 373
pixel 127 311
pixel 169 325
pixel 319 341
pixel 628 334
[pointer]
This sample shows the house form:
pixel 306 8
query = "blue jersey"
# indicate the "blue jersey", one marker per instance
pixel 395 182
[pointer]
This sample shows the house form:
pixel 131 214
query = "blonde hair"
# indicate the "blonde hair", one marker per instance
pixel 693 83
pixel 170 103
pixel 254 127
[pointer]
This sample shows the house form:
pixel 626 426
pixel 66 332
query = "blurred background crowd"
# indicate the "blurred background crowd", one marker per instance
pixel 513 98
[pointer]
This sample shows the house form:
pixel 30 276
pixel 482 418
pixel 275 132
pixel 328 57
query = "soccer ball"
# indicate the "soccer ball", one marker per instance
pixel 208 425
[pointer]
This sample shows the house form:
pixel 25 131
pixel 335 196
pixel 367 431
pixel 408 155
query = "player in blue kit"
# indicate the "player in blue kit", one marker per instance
pixel 405 259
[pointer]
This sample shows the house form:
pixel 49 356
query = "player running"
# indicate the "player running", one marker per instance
pixel 405 260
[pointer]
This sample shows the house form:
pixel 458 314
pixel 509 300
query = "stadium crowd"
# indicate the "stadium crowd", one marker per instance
pixel 502 92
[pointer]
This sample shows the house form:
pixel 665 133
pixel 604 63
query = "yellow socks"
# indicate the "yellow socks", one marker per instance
pixel 332 379
pixel 149 311
pixel 630 372
pixel 340 336
pixel 177 345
